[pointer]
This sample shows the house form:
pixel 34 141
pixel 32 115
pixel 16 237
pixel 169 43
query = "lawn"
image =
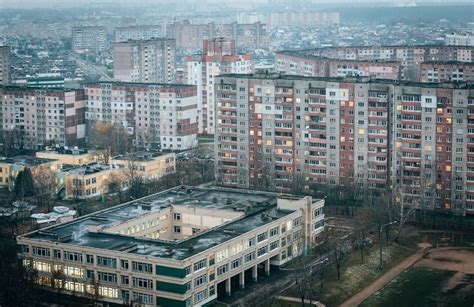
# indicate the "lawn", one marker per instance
pixel 417 286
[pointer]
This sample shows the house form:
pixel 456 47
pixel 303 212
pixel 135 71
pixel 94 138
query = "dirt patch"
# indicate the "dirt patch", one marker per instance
pixel 461 262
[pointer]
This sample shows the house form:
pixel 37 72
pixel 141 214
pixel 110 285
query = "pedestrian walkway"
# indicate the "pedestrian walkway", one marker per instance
pixel 380 282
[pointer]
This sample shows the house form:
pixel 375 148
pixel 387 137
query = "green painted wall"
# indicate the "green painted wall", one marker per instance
pixel 170 287
pixel 168 271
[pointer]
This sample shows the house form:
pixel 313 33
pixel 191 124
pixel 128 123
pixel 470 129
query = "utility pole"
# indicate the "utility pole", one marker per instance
pixel 380 240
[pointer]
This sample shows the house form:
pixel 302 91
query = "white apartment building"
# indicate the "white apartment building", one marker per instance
pixel 149 61
pixel 181 247
pixel 456 39
pixel 142 32
pixel 86 39
pixel 158 115
pixel 5 65
pixel 219 57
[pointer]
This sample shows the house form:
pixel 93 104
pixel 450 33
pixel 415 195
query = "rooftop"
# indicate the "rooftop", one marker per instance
pixel 120 83
pixel 309 54
pixel 89 169
pixel 255 209
pixel 141 156
pixel 64 150
pixel 26 160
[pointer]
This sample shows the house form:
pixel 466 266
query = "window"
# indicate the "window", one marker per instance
pixel 57 254
pixel 107 262
pixel 125 295
pixel 222 255
pixel 274 245
pixel 90 274
pixel 72 256
pixel 125 280
pixel 235 264
pixel 222 269
pixel 41 251
pixel 261 237
pixel 200 296
pixel 262 251
pixel 73 272
pixel 142 297
pixel 249 257
pixel 107 277
pixel 200 265
pixel 177 216
pixel 124 264
pixel 199 281
pixel 177 229
pixel 142 267
pixel 90 258
pixel 142 283
pixel 274 232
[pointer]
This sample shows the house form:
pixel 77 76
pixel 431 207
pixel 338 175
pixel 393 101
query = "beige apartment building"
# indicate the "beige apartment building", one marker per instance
pixel 181 247
pixel 149 164
pixel 69 156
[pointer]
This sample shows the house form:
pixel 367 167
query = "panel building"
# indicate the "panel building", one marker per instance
pixel 148 61
pixel 302 19
pixel 246 36
pixel 304 63
pixel 37 117
pixel 219 57
pixel 448 71
pixel 89 39
pixel 5 65
pixel 182 247
pixel 142 32
pixel 456 39
pixel 408 141
pixel 157 115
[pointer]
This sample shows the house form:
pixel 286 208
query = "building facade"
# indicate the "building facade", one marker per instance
pixel 149 61
pixel 219 57
pixel 157 115
pixel 382 138
pixel 456 39
pixel 142 32
pixel 304 63
pixel 302 19
pixel 184 253
pixel 89 39
pixel 453 71
pixel 148 164
pixel 5 65
pixel 40 117
pixel 69 156
pixel 246 36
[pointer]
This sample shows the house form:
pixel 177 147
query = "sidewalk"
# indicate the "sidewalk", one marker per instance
pixel 380 282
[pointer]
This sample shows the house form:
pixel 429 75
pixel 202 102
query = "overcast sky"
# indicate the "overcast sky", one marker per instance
pixel 75 3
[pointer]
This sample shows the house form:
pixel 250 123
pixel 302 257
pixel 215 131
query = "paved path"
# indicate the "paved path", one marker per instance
pixel 382 280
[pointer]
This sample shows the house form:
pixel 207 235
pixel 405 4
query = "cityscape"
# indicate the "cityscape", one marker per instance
pixel 212 153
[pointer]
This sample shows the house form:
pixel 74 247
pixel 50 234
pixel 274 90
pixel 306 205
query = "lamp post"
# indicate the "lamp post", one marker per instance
pixel 380 240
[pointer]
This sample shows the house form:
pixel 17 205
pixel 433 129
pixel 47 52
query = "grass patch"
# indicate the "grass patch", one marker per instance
pixel 416 286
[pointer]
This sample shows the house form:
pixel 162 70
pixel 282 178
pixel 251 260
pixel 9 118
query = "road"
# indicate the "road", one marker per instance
pixel 90 68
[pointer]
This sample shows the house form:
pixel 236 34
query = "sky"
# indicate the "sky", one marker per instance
pixel 75 3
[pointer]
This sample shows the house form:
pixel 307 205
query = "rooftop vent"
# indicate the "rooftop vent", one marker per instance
pixel 229 231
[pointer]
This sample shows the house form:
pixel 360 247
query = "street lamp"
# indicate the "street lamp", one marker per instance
pixel 380 240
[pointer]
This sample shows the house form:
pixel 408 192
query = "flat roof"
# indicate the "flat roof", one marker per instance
pixel 259 209
pixel 122 83
pixel 308 54
pixel 26 160
pixel 360 79
pixel 141 156
pixel 89 169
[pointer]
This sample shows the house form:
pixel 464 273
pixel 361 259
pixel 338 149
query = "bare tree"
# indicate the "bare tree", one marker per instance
pixel 110 139
pixel 44 186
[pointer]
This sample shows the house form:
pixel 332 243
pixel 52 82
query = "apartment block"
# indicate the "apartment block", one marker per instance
pixel 5 65
pixel 219 57
pixel 186 246
pixel 89 39
pixel 41 117
pixel 157 115
pixel 142 32
pixel 304 63
pixel 275 131
pixel 149 61
pixel 39 167
pixel 460 39
pixel 302 19
pixel 453 71
pixel 409 56
pixel 246 36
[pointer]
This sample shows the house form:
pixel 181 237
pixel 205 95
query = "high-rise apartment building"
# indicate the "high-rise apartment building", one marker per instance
pixel 456 39
pixel 5 65
pixel 302 18
pixel 411 141
pixel 89 39
pixel 43 116
pixel 157 115
pixel 220 57
pixel 148 61
pixel 304 63
pixel 448 71
pixel 142 32
pixel 246 36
